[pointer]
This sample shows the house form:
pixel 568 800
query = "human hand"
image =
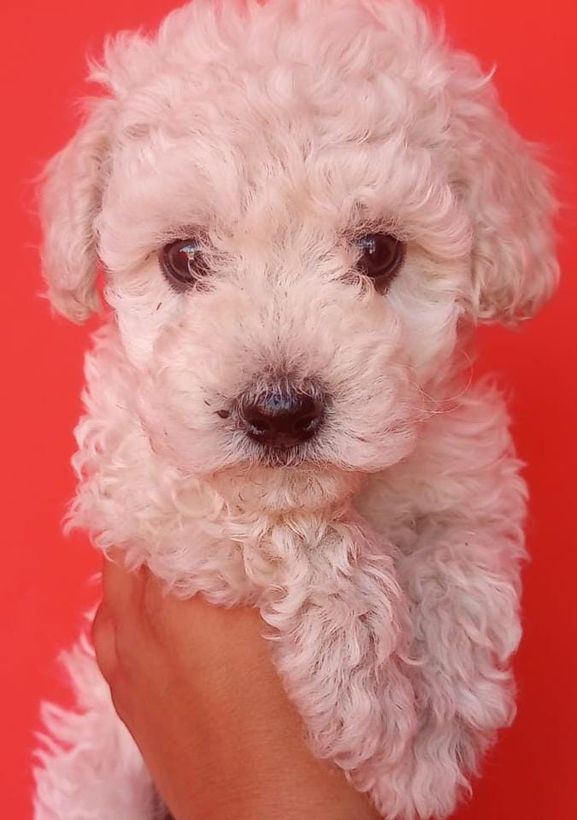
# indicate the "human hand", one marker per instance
pixel 195 686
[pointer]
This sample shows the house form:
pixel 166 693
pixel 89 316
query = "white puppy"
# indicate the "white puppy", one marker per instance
pixel 302 210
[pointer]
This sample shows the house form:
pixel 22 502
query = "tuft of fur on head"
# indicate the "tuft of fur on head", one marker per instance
pixel 255 90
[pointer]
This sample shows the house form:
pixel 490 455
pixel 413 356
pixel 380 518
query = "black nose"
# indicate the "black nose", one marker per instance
pixel 283 416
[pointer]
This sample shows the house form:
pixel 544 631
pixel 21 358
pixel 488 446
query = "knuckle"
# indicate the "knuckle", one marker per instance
pixel 103 640
pixel 152 600
pixel 128 651
pixel 120 694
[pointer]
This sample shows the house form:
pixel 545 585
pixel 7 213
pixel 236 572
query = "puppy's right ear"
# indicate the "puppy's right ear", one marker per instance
pixel 70 200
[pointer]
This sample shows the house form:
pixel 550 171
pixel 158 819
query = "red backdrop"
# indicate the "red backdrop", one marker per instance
pixel 44 577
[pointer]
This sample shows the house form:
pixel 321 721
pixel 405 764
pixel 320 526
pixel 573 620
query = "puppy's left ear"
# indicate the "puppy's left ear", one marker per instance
pixel 510 202
pixel 70 199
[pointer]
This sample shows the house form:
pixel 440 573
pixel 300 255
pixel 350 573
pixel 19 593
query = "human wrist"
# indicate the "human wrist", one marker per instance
pixel 259 767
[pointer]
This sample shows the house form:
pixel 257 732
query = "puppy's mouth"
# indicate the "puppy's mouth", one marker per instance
pixel 290 456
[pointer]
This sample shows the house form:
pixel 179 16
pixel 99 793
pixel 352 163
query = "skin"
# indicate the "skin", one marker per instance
pixel 196 688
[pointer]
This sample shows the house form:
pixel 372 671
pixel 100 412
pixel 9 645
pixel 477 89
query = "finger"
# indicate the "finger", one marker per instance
pixel 153 600
pixel 119 585
pixel 104 640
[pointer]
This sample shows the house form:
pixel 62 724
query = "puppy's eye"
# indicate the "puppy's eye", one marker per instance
pixel 182 263
pixel 381 257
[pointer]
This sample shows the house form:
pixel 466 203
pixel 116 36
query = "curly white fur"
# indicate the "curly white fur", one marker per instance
pixel 386 559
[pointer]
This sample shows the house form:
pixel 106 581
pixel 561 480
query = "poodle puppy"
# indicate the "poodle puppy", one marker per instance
pixel 301 210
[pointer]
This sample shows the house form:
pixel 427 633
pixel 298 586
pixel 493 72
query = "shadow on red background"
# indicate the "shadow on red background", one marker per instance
pixel 532 774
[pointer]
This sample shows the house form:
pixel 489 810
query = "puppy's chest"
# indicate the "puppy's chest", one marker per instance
pixel 263 559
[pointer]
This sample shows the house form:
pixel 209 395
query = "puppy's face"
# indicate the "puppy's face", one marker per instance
pixel 295 210
pixel 281 279
pixel 281 349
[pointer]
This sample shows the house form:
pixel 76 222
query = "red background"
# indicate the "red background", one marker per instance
pixel 532 773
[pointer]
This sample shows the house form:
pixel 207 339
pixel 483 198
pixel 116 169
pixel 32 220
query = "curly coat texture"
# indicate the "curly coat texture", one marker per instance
pixel 385 555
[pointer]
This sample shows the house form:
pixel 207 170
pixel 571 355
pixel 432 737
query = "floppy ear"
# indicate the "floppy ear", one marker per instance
pixel 70 199
pixel 510 201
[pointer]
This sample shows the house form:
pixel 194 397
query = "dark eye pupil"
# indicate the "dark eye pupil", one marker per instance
pixel 381 256
pixel 182 263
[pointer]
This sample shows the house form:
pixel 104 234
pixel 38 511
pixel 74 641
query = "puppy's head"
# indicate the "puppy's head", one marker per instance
pixel 297 207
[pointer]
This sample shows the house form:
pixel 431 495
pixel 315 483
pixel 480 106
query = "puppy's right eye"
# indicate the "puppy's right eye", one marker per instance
pixel 182 263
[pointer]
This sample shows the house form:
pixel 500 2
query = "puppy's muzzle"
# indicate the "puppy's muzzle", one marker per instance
pixel 282 415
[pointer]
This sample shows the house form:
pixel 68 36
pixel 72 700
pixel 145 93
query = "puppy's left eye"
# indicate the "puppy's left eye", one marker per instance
pixel 183 264
pixel 381 257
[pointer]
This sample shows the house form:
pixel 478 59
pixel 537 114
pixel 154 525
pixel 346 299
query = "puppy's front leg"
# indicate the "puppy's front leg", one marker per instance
pixel 341 621
pixel 463 586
